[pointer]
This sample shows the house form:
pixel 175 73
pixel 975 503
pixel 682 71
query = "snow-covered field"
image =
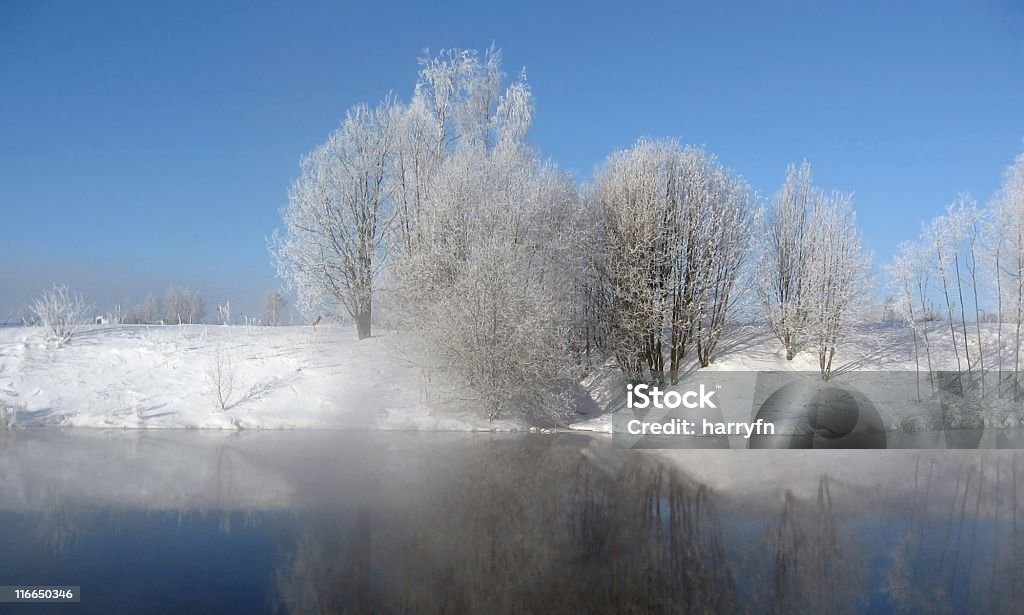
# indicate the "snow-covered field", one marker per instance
pixel 135 376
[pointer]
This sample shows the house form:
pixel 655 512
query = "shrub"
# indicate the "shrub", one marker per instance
pixel 61 313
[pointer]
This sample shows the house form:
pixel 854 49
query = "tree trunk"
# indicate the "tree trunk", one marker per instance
pixel 949 312
pixel 999 328
pixel 917 358
pixel 963 317
pixel 924 330
pixel 363 324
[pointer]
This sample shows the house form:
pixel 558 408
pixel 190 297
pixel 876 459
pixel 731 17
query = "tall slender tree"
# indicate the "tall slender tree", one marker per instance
pixel 337 217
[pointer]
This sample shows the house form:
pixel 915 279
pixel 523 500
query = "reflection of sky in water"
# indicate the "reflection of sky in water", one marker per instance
pixel 372 522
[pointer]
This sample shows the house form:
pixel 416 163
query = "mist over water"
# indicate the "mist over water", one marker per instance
pixel 406 522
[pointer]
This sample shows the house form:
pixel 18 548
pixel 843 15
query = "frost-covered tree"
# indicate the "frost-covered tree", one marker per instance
pixel 274 309
pixel 182 306
pixel 634 204
pixel 224 313
pixel 61 313
pixel 908 279
pixel 995 248
pixel 837 278
pixel 943 236
pixel 675 227
pixel 337 217
pixel 812 274
pixel 483 241
pixel 968 221
pixel 1008 218
pixel 150 312
pixel 781 273
pixel 196 309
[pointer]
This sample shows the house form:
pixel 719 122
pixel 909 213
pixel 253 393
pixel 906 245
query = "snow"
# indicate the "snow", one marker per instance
pixel 152 377
pixel 155 377
pixel 869 348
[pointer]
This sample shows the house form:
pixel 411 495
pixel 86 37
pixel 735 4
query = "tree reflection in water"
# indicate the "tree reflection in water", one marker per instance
pixel 525 528
pixel 357 523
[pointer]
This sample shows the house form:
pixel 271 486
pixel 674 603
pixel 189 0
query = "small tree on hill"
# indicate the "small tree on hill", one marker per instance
pixel 61 313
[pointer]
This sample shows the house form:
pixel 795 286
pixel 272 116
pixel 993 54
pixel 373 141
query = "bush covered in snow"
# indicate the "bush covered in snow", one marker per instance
pixel 61 313
pixel 221 376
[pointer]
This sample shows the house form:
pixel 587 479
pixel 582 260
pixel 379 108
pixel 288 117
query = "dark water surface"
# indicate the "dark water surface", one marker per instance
pixel 312 522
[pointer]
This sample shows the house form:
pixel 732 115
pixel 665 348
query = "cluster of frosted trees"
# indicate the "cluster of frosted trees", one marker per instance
pixel 813 277
pixel 960 287
pixel 673 237
pixel 178 306
pixel 511 276
pixel 476 236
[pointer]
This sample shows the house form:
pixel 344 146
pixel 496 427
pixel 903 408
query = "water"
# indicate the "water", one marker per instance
pixel 400 522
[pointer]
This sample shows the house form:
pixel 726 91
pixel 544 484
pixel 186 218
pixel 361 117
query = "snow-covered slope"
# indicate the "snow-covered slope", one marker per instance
pixel 158 377
pixel 294 377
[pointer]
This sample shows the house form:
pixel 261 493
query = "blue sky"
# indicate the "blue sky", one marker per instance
pixel 144 144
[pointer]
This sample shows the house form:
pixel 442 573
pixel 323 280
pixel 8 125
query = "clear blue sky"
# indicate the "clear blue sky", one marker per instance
pixel 144 144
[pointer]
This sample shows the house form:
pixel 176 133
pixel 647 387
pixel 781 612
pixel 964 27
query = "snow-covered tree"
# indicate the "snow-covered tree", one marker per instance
pixel 182 306
pixel 196 309
pixel 837 278
pixel 483 242
pixel 1008 218
pixel 943 237
pixel 908 278
pixel 812 276
pixel 969 220
pixel 274 309
pixel 782 267
pixel 224 313
pixel 337 217
pixel 635 205
pixel 150 312
pixel 61 313
pixel 675 227
pixel 995 248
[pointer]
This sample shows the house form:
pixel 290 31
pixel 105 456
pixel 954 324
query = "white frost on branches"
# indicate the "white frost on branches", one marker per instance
pixel 675 227
pixel 813 276
pixel 61 313
pixel 484 241
pixel 337 217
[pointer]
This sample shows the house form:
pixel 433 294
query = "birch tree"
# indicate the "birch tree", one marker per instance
pixel 1008 214
pixel 969 221
pixel 784 258
pixel 812 275
pixel 905 278
pixel 943 239
pixel 337 218
pixel 995 241
pixel 838 277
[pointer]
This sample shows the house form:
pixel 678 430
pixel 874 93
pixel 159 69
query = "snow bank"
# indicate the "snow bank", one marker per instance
pixel 137 376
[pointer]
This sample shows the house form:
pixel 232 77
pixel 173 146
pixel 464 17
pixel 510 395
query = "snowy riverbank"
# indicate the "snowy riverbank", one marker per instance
pixel 135 376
